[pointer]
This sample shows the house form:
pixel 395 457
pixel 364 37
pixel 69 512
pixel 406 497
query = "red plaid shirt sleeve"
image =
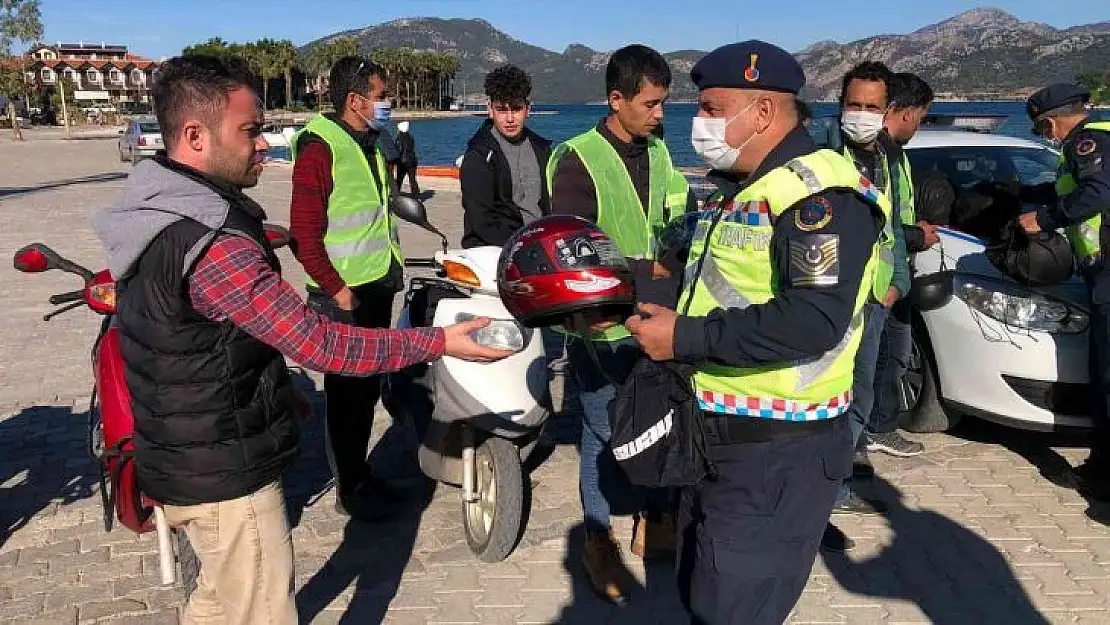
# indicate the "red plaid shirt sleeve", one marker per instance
pixel 233 281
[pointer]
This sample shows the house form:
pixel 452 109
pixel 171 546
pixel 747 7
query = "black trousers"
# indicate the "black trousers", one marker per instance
pixel 1099 335
pixel 747 542
pixel 410 171
pixel 350 400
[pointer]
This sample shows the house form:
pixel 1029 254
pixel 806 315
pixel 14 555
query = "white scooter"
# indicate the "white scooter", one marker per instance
pixel 477 423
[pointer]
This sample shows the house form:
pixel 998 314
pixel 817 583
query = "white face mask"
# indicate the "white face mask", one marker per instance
pixel 861 126
pixel 707 134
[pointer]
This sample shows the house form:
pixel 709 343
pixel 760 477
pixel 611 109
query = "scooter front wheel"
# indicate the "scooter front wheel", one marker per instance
pixel 492 521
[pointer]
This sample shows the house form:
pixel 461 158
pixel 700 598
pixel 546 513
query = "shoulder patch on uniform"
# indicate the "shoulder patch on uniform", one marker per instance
pixel 1085 146
pixel 814 213
pixel 815 260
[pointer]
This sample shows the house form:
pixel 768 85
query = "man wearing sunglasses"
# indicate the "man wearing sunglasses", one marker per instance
pixel 1079 201
pixel 347 241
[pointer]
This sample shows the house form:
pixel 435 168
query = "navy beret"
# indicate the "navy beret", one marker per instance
pixel 749 64
pixel 1054 96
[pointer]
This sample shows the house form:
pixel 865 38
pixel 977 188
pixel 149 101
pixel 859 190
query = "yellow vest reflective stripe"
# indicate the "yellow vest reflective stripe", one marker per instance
pixel 361 238
pixel 884 269
pixel 1083 236
pixel 738 271
pixel 620 214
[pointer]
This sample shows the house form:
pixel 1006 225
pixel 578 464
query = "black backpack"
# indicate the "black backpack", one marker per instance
pixel 1034 259
pixel 658 430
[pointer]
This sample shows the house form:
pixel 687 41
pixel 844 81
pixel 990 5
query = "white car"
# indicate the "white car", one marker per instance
pixel 142 139
pixel 997 350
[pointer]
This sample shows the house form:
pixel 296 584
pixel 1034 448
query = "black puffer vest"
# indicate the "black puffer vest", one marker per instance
pixel 212 404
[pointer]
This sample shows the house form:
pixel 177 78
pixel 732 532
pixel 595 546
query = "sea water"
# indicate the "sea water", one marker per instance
pixel 442 141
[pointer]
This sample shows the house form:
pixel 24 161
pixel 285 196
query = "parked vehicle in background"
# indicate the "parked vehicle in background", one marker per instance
pixel 142 139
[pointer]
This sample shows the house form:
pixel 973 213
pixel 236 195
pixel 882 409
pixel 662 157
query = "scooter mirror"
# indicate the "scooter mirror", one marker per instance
pixel 411 210
pixel 35 258
pixel 277 235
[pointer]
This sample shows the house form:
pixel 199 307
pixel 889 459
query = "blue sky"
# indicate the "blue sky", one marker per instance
pixel 162 27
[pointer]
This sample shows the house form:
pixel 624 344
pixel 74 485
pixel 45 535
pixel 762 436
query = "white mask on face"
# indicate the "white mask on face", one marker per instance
pixel 707 134
pixel 861 126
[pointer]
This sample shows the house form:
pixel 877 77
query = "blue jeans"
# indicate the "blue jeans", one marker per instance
pixel 863 381
pixel 893 360
pixel 601 482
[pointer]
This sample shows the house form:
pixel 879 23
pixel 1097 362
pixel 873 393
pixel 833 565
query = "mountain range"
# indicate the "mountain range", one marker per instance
pixel 982 53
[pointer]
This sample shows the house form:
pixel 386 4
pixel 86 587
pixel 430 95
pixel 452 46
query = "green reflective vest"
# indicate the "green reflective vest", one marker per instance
pixel 1083 236
pixel 634 229
pixel 884 269
pixel 361 237
pixel 738 271
pixel 906 211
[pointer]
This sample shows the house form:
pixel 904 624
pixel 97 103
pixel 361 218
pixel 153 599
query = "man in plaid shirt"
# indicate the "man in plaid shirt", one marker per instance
pixel 206 322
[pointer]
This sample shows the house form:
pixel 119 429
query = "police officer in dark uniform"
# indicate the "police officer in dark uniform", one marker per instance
pixel 779 264
pixel 1079 201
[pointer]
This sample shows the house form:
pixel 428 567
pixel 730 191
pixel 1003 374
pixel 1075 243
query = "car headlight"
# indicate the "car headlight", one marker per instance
pixel 499 334
pixel 1016 306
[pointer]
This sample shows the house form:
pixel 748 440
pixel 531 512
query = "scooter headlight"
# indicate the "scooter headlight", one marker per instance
pixel 1015 306
pixel 499 334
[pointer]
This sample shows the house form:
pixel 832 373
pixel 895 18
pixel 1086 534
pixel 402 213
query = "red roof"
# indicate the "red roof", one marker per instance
pixel 99 64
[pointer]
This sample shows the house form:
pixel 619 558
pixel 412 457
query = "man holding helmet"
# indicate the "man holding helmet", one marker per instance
pixel 1079 201
pixel 779 269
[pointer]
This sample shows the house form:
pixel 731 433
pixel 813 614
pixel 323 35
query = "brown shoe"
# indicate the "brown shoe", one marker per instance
pixel 654 539
pixel 608 575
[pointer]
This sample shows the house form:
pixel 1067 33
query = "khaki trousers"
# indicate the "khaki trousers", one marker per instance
pixel 245 549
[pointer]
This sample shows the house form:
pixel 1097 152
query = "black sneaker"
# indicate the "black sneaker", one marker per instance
pixel 836 541
pixel 858 505
pixel 894 444
pixel 861 465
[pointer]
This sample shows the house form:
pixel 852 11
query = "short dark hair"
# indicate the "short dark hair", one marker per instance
pixel 631 65
pixel 195 86
pixel 508 84
pixel 351 74
pixel 907 90
pixel 867 70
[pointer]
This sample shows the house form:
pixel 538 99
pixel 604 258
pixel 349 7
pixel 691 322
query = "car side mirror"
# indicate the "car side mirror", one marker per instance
pixel 933 291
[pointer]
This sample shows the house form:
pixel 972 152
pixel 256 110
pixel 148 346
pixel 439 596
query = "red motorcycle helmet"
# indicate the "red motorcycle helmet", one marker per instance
pixel 560 265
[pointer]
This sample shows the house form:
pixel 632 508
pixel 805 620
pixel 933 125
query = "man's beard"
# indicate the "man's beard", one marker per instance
pixel 232 169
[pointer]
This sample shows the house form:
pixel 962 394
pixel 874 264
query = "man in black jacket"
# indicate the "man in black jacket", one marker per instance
pixel 502 173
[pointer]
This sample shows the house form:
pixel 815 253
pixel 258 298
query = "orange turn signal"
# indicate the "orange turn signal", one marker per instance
pixel 458 272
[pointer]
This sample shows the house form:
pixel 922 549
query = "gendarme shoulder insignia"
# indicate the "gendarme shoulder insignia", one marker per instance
pixel 813 214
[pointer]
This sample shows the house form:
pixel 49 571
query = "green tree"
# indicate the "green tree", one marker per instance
pixel 20 20
pixel 1099 84
pixel 320 58
pixel 285 57
pixel 213 47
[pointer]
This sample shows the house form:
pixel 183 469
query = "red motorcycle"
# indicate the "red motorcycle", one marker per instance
pixel 111 423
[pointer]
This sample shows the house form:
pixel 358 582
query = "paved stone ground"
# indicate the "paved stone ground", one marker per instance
pixel 978 532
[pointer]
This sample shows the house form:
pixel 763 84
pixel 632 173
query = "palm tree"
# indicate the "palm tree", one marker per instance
pixel 212 47
pixel 285 57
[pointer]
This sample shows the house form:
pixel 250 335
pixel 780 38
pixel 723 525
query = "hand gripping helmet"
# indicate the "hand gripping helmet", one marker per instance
pixel 560 265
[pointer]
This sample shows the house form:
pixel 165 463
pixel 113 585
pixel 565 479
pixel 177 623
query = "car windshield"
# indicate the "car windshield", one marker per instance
pixel 967 166
pixel 149 128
